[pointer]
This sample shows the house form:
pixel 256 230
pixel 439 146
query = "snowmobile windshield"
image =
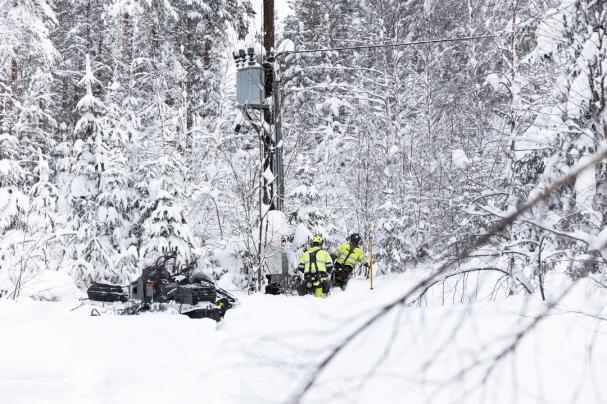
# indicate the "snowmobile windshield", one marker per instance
pixel 201 277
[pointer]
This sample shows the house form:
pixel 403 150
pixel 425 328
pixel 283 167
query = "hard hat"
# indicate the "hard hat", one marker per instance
pixel 355 238
pixel 317 240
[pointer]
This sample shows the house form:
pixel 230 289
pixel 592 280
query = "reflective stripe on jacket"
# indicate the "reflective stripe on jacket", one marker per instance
pixel 350 258
pixel 315 259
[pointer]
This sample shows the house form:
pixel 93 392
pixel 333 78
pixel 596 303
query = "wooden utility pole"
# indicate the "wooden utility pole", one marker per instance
pixel 273 140
pixel 268 25
pixel 371 256
pixel 269 116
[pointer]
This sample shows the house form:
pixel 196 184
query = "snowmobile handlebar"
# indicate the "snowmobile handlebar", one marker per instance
pixel 163 259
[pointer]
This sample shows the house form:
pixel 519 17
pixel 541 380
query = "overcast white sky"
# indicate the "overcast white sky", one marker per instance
pixel 281 9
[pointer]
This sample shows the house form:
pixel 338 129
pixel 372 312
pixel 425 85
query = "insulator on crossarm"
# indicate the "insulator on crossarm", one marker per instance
pixel 251 54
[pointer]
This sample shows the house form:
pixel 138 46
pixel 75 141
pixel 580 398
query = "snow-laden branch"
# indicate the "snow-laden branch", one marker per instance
pixel 578 236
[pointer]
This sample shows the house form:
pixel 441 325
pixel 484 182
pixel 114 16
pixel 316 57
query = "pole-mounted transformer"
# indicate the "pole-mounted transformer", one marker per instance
pixel 250 80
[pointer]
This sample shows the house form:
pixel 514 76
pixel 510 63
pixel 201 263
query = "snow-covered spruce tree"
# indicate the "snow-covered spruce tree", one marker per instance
pixel 312 210
pixel 14 207
pixel 120 206
pixel 60 162
pixel 43 246
pixel 166 231
pixel 393 252
pixel 82 29
pixel 92 249
pixel 115 204
pixel 14 204
pixel 43 206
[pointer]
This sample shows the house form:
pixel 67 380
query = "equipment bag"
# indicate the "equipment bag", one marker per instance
pixel 342 276
pixel 311 278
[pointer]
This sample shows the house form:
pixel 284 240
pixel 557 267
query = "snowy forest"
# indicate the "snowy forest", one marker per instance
pixel 118 117
pixel 481 164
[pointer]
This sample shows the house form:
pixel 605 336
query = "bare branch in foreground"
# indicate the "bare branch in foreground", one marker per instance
pixel 428 281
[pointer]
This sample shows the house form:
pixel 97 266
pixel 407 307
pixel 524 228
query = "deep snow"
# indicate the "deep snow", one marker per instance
pixel 268 346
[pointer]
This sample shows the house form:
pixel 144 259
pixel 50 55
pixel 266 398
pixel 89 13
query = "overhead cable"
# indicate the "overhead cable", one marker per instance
pixel 389 45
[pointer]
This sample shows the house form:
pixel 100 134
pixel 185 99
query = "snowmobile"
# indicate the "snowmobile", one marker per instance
pixel 188 293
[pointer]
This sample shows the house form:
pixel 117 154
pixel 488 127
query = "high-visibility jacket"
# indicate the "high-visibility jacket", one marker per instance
pixel 315 259
pixel 350 256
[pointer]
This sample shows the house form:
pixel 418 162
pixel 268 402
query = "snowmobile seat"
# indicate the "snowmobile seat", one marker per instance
pixel 193 294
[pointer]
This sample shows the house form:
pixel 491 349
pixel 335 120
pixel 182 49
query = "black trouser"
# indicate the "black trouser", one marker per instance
pixel 341 274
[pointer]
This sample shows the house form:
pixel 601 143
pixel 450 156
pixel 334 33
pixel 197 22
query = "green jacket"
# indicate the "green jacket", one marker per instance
pixel 315 259
pixel 348 257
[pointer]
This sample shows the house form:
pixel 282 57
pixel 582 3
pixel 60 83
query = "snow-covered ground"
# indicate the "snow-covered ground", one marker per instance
pixel 267 347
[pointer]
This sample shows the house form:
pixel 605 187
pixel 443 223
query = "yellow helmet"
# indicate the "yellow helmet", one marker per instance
pixel 317 240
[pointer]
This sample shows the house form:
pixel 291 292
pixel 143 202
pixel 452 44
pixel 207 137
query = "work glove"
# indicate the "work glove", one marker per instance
pixel 366 264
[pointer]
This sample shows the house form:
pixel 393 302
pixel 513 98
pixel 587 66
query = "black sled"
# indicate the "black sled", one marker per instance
pixel 103 292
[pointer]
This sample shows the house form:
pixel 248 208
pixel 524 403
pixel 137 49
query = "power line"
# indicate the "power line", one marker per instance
pixel 389 45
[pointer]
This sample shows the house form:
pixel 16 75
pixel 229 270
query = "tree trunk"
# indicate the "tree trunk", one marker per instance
pixel 2 101
pixel 127 40
pixel 89 43
pixel 188 82
pixel 14 78
pixel 513 87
